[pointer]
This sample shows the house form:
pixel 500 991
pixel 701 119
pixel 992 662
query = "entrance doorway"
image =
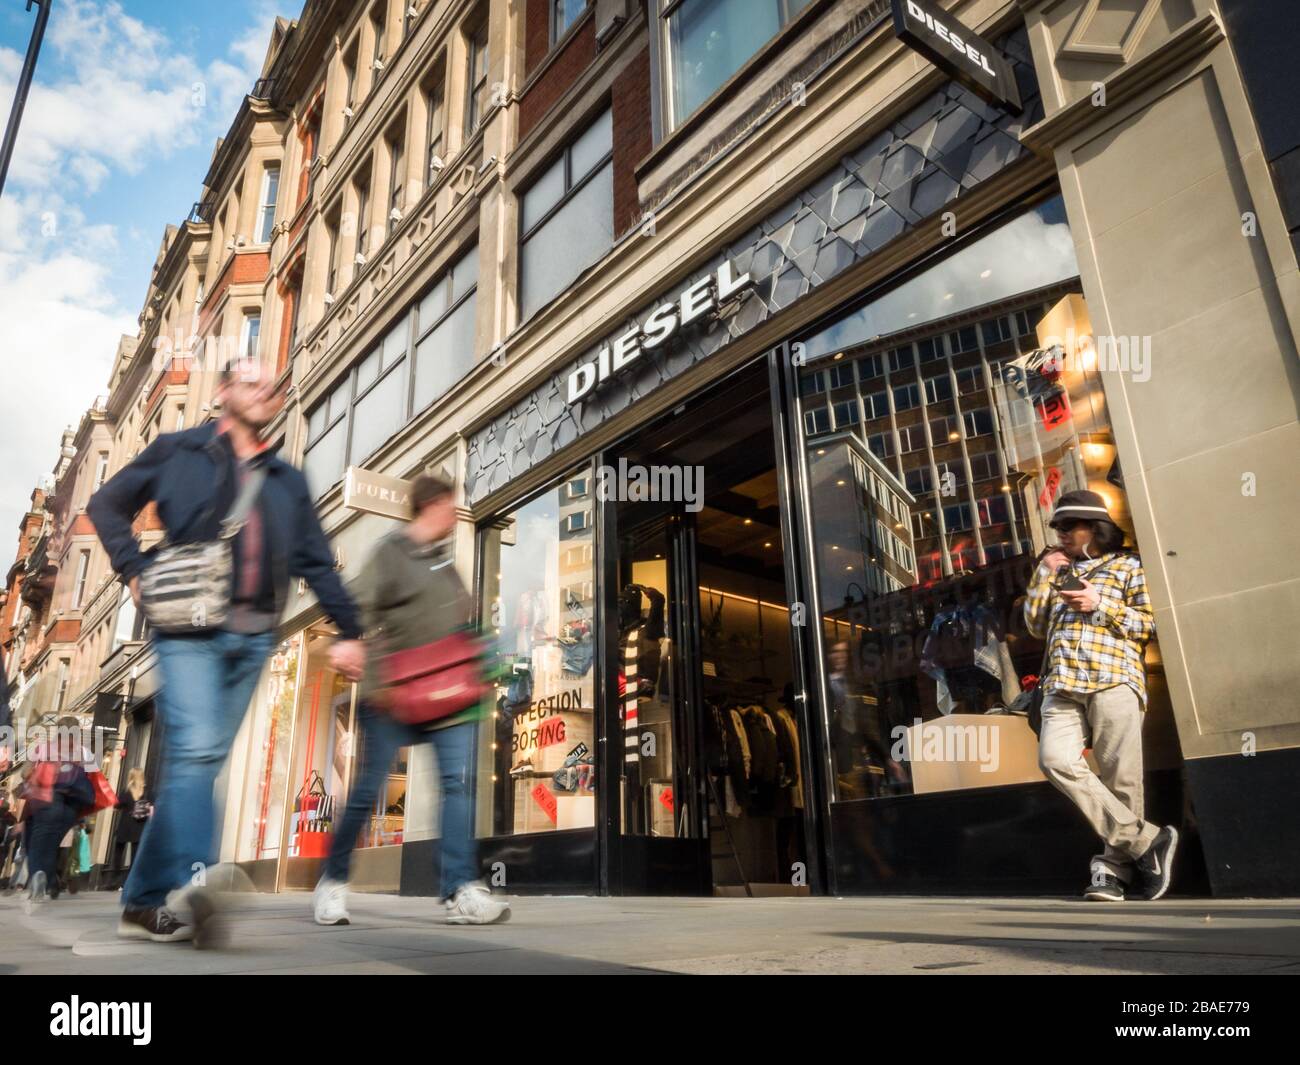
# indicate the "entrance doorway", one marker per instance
pixel 706 736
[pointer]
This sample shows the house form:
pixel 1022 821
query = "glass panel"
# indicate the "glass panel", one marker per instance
pixel 922 579
pixel 596 142
pixel 646 618
pixel 710 40
pixel 395 342
pixel 464 273
pixel 538 773
pixel 262 821
pixel 322 760
pixel 1032 251
pixel 368 371
pixel 379 414
pixel 434 305
pixel 576 236
pixel 542 194
pixel 323 463
pixel 445 355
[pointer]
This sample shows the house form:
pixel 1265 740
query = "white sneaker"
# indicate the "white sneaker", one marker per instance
pixel 330 902
pixel 36 893
pixel 475 904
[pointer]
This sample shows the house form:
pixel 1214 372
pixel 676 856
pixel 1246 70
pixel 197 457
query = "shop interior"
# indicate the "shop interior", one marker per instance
pixel 704 622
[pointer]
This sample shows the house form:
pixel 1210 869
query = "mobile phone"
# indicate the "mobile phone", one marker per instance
pixel 1066 581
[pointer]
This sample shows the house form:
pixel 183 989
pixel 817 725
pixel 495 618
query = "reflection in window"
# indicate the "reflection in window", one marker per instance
pixel 567 217
pixel 709 40
pixel 922 555
pixel 536 773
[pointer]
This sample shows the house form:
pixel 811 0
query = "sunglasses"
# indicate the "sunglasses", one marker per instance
pixel 1068 525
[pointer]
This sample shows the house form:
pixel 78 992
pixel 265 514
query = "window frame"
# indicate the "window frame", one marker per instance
pixel 474 111
pixel 265 208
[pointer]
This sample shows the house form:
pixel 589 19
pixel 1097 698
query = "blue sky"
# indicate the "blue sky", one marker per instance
pixel 127 104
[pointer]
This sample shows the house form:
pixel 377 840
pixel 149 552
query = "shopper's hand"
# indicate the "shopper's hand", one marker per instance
pixel 1054 560
pixel 1085 600
pixel 349 658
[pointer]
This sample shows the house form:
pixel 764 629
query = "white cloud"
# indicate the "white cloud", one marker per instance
pixel 113 96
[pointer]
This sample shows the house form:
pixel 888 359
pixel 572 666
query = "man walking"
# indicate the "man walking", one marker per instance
pixel 1088 599
pixel 195 478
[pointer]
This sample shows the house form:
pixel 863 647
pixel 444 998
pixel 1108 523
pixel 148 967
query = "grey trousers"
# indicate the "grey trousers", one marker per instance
pixel 1110 722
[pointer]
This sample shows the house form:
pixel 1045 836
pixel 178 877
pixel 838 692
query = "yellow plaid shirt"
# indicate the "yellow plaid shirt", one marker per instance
pixel 1102 648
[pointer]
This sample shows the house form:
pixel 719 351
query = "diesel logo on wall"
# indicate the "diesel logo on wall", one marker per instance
pixel 957 51
pixel 705 295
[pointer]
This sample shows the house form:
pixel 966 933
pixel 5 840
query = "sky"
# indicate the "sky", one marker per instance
pixel 125 109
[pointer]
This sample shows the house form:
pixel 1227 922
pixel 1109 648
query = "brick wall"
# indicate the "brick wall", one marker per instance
pixel 632 138
pixel 565 68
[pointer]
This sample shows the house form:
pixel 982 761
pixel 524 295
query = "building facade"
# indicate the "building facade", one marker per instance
pixel 759 342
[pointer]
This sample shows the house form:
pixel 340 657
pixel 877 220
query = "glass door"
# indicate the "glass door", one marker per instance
pixel 661 846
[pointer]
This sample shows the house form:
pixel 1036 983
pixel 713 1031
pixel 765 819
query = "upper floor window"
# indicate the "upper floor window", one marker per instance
pixel 396 170
pixel 335 245
pixel 567 217
pixel 101 469
pixel 564 13
pixel 409 15
pixel 249 336
pixel 378 14
pixel 266 209
pixel 79 589
pixel 476 80
pixel 349 85
pixel 377 396
pixel 709 40
pixel 433 118
pixel 362 190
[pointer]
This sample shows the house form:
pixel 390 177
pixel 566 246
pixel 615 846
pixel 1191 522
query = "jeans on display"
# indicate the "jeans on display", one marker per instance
pixel 207 683
pixel 48 825
pixel 382 738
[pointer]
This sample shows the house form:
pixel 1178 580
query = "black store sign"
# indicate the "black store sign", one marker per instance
pixel 957 51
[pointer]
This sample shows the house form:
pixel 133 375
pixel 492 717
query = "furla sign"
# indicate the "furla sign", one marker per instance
pixel 959 52
pixel 697 300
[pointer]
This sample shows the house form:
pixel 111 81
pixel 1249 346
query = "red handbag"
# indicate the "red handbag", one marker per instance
pixel 436 680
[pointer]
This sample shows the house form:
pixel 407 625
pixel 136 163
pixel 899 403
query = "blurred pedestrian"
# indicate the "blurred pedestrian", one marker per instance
pixel 240 523
pixel 413 602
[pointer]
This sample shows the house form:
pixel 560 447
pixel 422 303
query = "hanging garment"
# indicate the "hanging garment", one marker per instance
pixel 790 755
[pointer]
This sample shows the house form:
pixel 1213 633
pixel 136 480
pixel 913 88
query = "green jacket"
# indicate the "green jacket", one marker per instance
pixel 409 595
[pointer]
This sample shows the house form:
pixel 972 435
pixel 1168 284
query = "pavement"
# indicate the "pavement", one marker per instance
pixel 550 935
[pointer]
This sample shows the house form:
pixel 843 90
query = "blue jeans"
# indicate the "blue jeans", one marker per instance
pixel 382 738
pixel 207 682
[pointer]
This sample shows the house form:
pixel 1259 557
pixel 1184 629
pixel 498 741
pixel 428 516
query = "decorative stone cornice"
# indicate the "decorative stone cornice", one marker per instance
pixel 1181 50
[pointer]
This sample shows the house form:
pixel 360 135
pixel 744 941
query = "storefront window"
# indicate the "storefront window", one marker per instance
pixel 537 771
pixel 262 820
pixel 928 516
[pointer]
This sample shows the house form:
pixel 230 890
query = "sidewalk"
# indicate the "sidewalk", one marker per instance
pixel 564 935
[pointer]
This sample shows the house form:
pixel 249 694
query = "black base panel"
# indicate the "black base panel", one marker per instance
pixel 1248 813
pixel 1017 840
pixel 550 863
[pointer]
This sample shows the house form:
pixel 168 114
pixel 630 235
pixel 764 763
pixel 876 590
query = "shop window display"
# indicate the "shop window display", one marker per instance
pixel 926 652
pixel 537 763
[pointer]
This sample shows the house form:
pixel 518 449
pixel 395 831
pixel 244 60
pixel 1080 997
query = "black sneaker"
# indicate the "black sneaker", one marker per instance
pixel 1105 888
pixel 1156 867
pixel 156 923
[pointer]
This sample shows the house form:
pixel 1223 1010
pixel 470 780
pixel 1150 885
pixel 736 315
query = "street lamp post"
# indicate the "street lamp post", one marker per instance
pixel 24 84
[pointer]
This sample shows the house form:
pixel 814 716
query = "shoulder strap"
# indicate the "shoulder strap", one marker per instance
pixel 238 514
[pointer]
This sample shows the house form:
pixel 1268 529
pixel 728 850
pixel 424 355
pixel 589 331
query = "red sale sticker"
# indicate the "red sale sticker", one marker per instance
pixel 1049 491
pixel 552 731
pixel 1055 410
pixel 543 797
pixel 666 797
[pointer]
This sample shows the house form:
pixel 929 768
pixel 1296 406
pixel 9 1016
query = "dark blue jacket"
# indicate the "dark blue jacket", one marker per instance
pixel 190 475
